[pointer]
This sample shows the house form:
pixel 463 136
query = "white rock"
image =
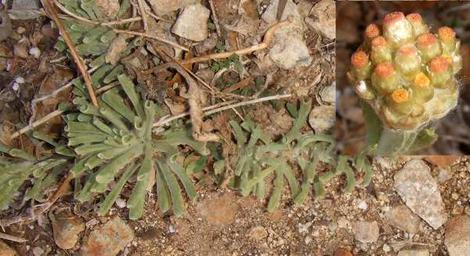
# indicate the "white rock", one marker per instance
pixel 324 20
pixel 322 118
pixel 35 52
pixel 289 49
pixel 366 232
pixel 192 23
pixel 162 7
pixel 362 205
pixel 328 93
pixel 457 238
pixel 270 14
pixel 19 80
pixel 419 190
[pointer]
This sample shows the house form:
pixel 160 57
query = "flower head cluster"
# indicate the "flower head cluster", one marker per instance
pixel 405 72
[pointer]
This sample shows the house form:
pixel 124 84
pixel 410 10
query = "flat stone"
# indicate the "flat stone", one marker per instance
pixel 289 50
pixel 403 218
pixel 66 228
pixel 365 231
pixel 217 211
pixel 162 7
pixel 192 23
pixel 270 14
pixel 420 191
pixel 25 9
pixel 109 239
pixel 6 250
pixel 324 18
pixel 457 239
pixel 414 252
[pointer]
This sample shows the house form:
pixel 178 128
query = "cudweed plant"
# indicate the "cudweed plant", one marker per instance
pixel 405 75
pixel 295 155
pixel 114 142
pixel 90 39
pixel 18 167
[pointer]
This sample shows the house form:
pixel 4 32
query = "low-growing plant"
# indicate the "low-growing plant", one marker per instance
pixel 114 142
pixel 292 160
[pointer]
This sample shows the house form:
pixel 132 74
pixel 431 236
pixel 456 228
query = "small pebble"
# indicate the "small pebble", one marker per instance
pixel 35 52
pixel 362 205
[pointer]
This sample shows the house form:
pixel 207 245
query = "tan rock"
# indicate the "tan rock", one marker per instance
pixel 6 250
pixel 403 218
pixel 457 238
pixel 109 239
pixel 192 23
pixel 66 228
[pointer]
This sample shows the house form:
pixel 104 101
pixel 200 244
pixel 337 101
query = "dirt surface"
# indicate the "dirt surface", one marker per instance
pixel 224 223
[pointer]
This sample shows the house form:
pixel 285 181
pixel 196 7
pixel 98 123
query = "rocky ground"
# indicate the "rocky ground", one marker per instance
pixel 414 206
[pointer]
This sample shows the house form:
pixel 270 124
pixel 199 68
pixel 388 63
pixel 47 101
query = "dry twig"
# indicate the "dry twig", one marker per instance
pixel 52 12
pixel 166 119
pixel 163 40
pixel 214 18
pixel 12 238
pixel 268 38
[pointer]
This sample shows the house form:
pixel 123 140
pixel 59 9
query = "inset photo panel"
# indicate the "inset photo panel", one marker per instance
pixel 403 77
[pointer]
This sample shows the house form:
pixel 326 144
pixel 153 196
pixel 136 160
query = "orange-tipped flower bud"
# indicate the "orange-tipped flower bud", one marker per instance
pixel 397 29
pixel 372 31
pixel 400 95
pixel 359 59
pixel 428 45
pixel 440 72
pixel 422 90
pixel 384 70
pixel 384 78
pixel 439 64
pixel 416 22
pixel 381 51
pixel 421 80
pixel 447 37
pixel 407 59
pixel 446 34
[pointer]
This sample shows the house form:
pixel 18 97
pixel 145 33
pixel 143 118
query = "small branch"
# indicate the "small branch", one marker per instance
pixel 37 123
pixel 143 14
pixel 211 110
pixel 54 113
pixel 152 37
pixel 268 37
pixel 35 101
pixel 214 18
pixel 12 238
pixel 52 12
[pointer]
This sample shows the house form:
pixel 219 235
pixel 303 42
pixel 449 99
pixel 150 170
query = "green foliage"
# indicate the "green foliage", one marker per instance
pixel 292 160
pixel 18 167
pixel 90 39
pixel 114 143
